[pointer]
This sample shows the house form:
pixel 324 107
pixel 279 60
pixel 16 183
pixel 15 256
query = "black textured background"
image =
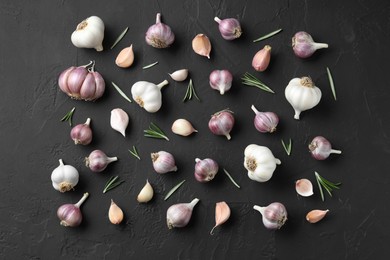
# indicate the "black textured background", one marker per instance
pixel 35 48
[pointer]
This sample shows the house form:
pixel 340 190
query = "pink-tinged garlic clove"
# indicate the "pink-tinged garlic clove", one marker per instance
pixel 316 215
pixel 304 187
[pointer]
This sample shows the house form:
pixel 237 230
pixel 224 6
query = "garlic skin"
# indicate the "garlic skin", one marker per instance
pixel 97 161
pixel 163 162
pixel 179 75
pixel 115 213
pixel 302 94
pixel 148 95
pixel 205 170
pixel 82 133
pixel 304 187
pixel 178 215
pixel 260 162
pixel 183 127
pixel 202 45
pixel 221 80
pixel 221 123
pixel 320 148
pixel 316 215
pixel 274 215
pixel 125 57
pixel 229 28
pixel 70 214
pixel 119 120
pixel 64 177
pixel 159 35
pixel 89 34
pixel 146 194
pixel 304 45
pixel 262 59
pixel 265 122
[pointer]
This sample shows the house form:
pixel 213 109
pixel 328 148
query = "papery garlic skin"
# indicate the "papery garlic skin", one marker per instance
pixel 265 122
pixel 304 45
pixel 316 215
pixel 163 162
pixel 64 177
pixel 159 35
pixel 148 95
pixel 262 59
pixel 97 161
pixel 274 215
pixel 119 120
pixel 89 34
pixel 178 215
pixel 302 94
pixel 125 58
pixel 221 80
pixel 82 133
pixel 205 170
pixel 115 213
pixel 202 45
pixel 179 75
pixel 221 123
pixel 70 214
pixel 260 162
pixel 320 148
pixel 182 127
pixel 146 194
pixel 229 28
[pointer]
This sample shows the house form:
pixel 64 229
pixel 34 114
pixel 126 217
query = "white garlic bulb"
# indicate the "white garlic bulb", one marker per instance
pixel 148 95
pixel 260 162
pixel 302 94
pixel 146 194
pixel 119 120
pixel 89 34
pixel 64 177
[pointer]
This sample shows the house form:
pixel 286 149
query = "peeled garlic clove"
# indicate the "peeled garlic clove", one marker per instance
pixel 304 187
pixel 179 75
pixel 316 215
pixel 146 194
pixel 125 58
pixel 115 213
pixel 119 120
pixel 201 45
pixel 183 127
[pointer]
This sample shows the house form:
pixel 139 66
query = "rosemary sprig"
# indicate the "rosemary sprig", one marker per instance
pixel 331 83
pixel 268 35
pixel 112 183
pixel 150 65
pixel 177 186
pixel 155 132
pixel 121 92
pixel 287 147
pixel 327 185
pixel 250 80
pixel 190 92
pixel 231 178
pixel 68 116
pixel 120 37
pixel 134 152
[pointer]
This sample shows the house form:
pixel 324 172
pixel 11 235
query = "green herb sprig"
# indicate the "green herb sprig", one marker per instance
pixel 121 92
pixel 134 152
pixel 269 35
pixel 190 92
pixel 177 186
pixel 120 37
pixel 113 182
pixel 250 80
pixel 287 147
pixel 327 185
pixel 331 83
pixel 68 116
pixel 150 65
pixel 155 132
pixel 231 178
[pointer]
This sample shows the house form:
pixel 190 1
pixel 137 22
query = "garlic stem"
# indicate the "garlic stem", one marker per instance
pixel 318 45
pixel 193 203
pixel 335 151
pixel 158 18
pixel 297 114
pixel 81 201
pixel 162 84
pixel 254 109
pixel 217 19
pixel 86 65
pixel 61 162
pixel 88 121
pixel 259 209
pixel 112 159
pixel 277 161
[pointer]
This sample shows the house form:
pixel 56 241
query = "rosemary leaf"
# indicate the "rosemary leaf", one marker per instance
pixel 134 152
pixel 268 35
pixel 112 183
pixel 287 148
pixel 331 83
pixel 190 92
pixel 150 65
pixel 68 116
pixel 155 132
pixel 121 92
pixel 320 188
pixel 177 186
pixel 231 178
pixel 120 37
pixel 326 184
pixel 252 81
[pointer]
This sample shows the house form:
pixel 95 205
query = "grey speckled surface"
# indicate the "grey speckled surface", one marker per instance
pixel 35 47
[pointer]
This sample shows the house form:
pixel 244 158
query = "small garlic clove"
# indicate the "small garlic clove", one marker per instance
pixel 125 58
pixel 202 45
pixel 115 213
pixel 316 215
pixel 183 127
pixel 146 194
pixel 304 187
pixel 179 75
pixel 119 120
pixel 262 58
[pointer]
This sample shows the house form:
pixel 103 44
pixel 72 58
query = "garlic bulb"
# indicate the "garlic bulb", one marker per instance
pixel 178 215
pixel 183 127
pixel 201 45
pixel 146 194
pixel 302 94
pixel 221 80
pixel 89 34
pixel 125 58
pixel 119 120
pixel 159 35
pixel 148 95
pixel 82 133
pixel 64 177
pixel 260 162
pixel 115 213
pixel 179 75
pixel 163 162
pixel 274 215
pixel 205 170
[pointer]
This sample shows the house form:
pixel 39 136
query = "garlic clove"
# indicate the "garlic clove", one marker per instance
pixel 262 58
pixel 119 120
pixel 183 127
pixel 304 187
pixel 115 213
pixel 125 58
pixel 146 194
pixel 202 45
pixel 316 215
pixel 179 75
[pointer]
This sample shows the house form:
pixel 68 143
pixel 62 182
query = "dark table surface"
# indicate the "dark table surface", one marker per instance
pixel 35 48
